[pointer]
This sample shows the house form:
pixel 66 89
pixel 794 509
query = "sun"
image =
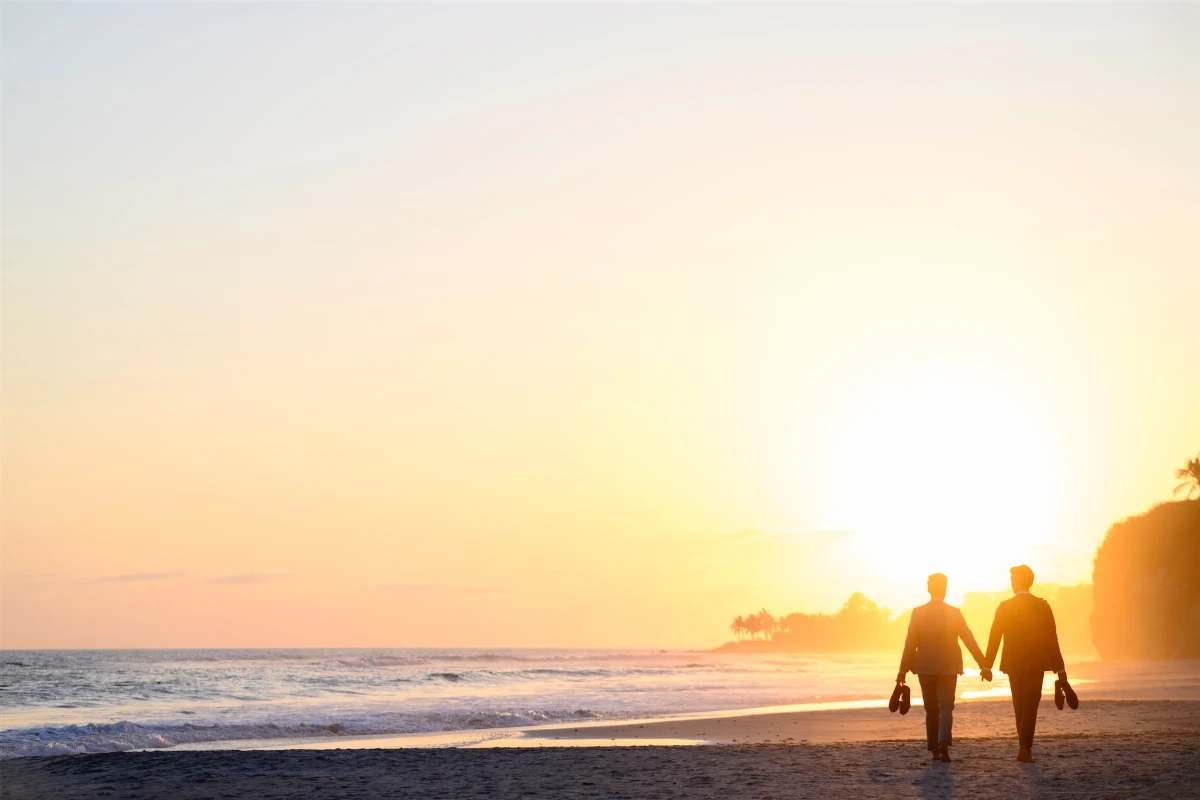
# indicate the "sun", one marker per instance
pixel 945 469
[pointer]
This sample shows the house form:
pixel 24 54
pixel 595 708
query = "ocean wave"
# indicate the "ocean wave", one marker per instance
pixel 516 673
pixel 487 657
pixel 214 696
pixel 521 658
pixel 126 735
pixel 383 661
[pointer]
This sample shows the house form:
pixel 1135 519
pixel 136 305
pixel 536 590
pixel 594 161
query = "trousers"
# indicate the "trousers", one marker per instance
pixel 1026 695
pixel 937 694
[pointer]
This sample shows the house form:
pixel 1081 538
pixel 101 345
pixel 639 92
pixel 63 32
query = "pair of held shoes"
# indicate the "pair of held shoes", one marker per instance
pixel 1063 691
pixel 901 698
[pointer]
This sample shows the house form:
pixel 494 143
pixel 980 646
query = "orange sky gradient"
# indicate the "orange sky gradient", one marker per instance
pixel 411 325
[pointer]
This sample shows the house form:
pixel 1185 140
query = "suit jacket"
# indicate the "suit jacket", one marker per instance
pixel 1026 624
pixel 931 647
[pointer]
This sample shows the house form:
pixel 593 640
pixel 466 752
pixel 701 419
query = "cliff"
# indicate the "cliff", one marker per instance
pixel 1146 580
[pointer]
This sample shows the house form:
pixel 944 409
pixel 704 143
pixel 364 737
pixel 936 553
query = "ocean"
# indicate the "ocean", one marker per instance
pixel 90 701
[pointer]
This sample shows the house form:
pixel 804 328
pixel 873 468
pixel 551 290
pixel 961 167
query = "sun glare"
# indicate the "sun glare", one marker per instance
pixel 945 471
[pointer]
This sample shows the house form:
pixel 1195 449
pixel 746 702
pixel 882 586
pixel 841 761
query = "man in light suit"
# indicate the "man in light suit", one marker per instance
pixel 1026 625
pixel 931 650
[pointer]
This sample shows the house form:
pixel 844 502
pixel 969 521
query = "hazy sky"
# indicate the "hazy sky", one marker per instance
pixel 580 324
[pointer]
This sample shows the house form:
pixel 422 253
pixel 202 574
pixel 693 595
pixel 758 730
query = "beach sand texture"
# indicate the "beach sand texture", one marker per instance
pixel 1129 749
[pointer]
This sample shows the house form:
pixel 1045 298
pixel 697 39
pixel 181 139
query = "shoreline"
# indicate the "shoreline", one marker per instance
pixel 985 712
pixel 806 725
pixel 979 719
pixel 861 719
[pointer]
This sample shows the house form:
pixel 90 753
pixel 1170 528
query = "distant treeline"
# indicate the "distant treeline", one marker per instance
pixel 863 626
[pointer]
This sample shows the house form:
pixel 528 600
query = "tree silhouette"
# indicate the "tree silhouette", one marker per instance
pixel 1190 475
pixel 766 622
pixel 861 626
pixel 738 626
pixel 792 623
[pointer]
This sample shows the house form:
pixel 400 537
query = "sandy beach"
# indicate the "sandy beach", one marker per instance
pixel 1107 749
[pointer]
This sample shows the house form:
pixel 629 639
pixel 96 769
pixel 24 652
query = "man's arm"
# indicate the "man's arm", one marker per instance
pixel 910 648
pixel 993 641
pixel 964 633
pixel 1056 653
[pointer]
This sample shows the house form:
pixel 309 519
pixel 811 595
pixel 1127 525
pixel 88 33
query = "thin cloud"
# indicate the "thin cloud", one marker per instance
pixel 142 576
pixel 249 577
pixel 437 588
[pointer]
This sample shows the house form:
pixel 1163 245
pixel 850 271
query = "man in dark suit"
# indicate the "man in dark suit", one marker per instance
pixel 1026 625
pixel 931 650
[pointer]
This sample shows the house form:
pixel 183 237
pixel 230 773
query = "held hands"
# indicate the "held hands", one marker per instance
pixel 985 674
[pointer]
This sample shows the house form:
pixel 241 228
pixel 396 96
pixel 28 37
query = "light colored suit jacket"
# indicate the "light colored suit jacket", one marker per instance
pixel 932 644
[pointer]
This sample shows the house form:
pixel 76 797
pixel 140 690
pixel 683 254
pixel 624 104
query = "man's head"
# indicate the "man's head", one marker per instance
pixel 937 585
pixel 1022 578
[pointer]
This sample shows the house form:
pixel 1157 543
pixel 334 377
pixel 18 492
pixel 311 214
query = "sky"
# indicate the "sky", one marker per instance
pixel 580 325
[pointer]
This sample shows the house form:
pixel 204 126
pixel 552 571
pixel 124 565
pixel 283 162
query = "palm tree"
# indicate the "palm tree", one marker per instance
pixel 753 625
pixel 738 626
pixel 1190 475
pixel 766 622
pixel 793 623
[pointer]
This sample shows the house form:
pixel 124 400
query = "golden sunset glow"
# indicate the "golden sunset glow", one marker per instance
pixel 979 469
pixel 579 325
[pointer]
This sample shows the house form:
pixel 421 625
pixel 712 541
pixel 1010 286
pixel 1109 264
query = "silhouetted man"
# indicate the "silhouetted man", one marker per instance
pixel 1026 624
pixel 931 650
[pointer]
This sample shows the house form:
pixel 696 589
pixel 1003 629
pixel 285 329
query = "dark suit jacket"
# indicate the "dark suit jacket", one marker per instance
pixel 931 647
pixel 1026 624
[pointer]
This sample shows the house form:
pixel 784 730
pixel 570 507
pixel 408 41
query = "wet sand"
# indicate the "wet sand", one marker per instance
pixel 977 719
pixel 1107 749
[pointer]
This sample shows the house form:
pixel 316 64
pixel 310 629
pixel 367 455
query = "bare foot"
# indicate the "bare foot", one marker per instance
pixel 943 753
pixel 1024 755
